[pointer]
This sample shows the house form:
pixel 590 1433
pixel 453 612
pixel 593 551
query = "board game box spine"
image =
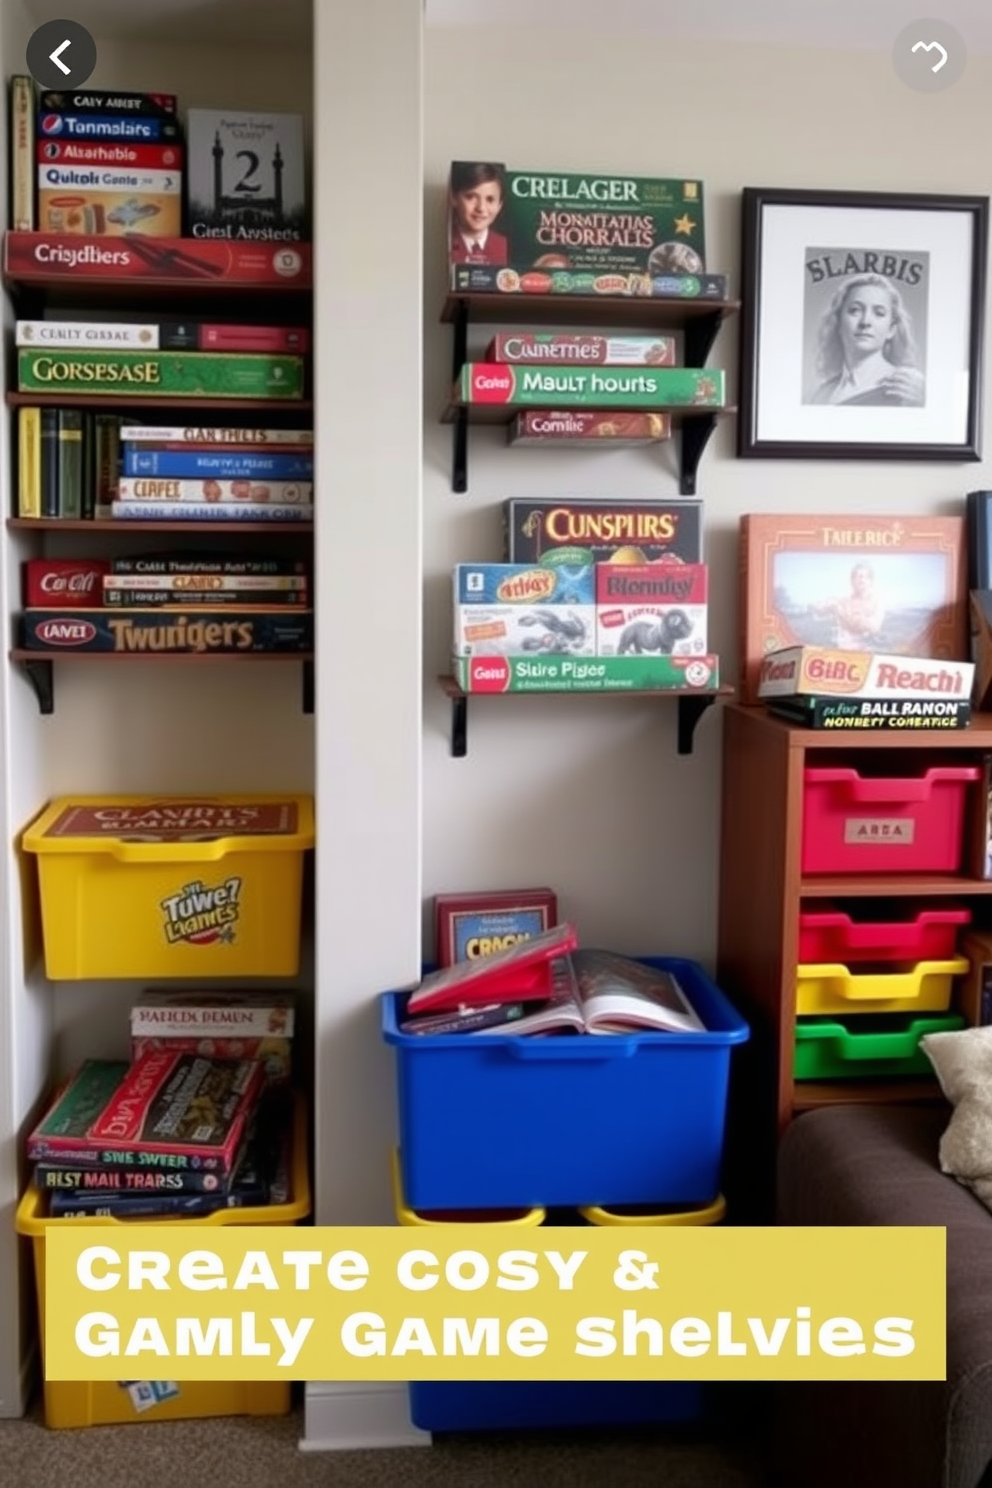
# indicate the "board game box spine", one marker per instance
pixel 482 279
pixel 590 387
pixel 29 462
pixel 227 464
pixel 49 463
pixel 164 335
pixel 191 631
pixel 204 563
pixel 497 674
pixel 22 168
pixel 171 437
pixel 873 713
pixel 68 582
pixel 208 511
pixel 102 101
pixel 93 1179
pixel 167 261
pixel 185 584
pixel 168 373
pixel 139 128
pixel 69 476
pixel 106 462
pixel 147 1206
pixel 150 599
pixel 211 490
pixel 820 671
pixel 236 1015
pixel 585 428
pixel 538 530
pixel 544 347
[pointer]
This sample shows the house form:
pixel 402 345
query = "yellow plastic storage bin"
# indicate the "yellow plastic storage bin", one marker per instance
pixel 642 1214
pixel 407 1216
pixel 73 1403
pixel 923 988
pixel 154 886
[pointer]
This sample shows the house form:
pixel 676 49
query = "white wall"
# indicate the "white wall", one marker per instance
pixel 588 795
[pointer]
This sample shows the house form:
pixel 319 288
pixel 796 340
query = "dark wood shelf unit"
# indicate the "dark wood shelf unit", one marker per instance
pixel 692 704
pixel 135 528
pixel 761 893
pixel 699 322
pixel 38 666
pixel 107 402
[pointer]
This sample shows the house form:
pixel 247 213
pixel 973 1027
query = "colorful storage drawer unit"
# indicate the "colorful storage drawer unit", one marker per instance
pixel 854 823
pixel 566 1119
pixel 152 886
pixel 924 988
pixel 828 934
pixel 72 1403
pixel 866 1047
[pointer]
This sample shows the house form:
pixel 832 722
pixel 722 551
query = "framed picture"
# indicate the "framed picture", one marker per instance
pixel 892 585
pixel 862 326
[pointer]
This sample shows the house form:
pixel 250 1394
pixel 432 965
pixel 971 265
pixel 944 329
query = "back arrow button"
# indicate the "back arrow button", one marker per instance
pixel 61 55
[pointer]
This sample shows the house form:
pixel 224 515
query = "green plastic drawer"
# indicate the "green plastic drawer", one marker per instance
pixel 865 1048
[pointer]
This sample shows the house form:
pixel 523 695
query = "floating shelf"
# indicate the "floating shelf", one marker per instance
pixel 39 666
pixel 101 525
pixel 192 406
pixel 698 320
pixel 692 704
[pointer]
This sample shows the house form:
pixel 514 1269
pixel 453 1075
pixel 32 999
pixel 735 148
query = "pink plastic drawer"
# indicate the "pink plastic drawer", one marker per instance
pixel 829 934
pixel 866 824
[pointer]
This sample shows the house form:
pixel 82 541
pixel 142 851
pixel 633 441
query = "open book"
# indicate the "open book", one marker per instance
pixel 601 992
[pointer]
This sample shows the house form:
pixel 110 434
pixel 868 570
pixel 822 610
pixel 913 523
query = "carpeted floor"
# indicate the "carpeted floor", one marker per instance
pixel 240 1452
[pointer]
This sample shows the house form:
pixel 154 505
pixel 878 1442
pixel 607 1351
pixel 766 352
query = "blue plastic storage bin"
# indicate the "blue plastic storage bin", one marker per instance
pixel 507 1122
pixel 509 1405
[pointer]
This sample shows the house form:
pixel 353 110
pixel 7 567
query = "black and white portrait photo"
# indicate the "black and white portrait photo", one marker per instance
pixel 864 327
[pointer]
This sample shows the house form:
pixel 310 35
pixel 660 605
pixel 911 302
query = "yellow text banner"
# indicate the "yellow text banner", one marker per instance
pixel 475 1302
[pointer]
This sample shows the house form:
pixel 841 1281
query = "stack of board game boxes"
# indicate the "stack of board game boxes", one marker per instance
pixel 592 596
pixel 197 1120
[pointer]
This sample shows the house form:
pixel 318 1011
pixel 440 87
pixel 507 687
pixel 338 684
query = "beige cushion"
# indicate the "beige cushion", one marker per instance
pixel 962 1062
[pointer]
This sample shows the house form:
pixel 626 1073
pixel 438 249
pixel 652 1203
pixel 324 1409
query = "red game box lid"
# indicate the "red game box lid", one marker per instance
pixel 520 974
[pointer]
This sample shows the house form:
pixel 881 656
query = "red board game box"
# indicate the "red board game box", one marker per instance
pixel 51 583
pixel 468 926
pixel 40 257
pixel 521 973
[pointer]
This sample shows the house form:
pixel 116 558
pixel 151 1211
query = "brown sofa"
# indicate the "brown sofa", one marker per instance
pixel 878 1165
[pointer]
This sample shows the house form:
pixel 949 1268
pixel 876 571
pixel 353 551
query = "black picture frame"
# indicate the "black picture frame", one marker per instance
pixel 767 357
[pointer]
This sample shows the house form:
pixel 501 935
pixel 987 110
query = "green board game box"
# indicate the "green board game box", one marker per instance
pixel 168 374
pixel 601 224
pixel 591 387
pixel 586 673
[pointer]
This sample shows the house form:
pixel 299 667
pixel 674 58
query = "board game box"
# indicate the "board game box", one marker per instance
pixel 175 1110
pixel 504 609
pixel 40 257
pixel 818 671
pixel 467 926
pixel 877 584
pixel 583 428
pixel 871 713
pixel 169 630
pixel 582 531
pixel 654 608
pixel 247 175
pixel 578 674
pixel 170 374
pixel 591 387
pixel 479 279
pixel 582 224
pixel 536 347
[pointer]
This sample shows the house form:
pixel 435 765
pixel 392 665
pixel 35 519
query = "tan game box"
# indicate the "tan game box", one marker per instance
pixel 820 671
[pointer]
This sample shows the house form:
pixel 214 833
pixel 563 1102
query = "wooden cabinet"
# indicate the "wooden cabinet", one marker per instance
pixel 762 892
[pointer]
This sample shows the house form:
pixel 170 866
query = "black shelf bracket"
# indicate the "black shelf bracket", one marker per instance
pixel 691 710
pixel 41 675
pixel 699 335
pixel 459 432
pixel 308 687
pixel 459 727
pixel 695 436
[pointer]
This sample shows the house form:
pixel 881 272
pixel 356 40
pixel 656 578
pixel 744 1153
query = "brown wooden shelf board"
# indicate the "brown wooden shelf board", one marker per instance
pixel 21 654
pixel 892 886
pixel 627 311
pixel 104 402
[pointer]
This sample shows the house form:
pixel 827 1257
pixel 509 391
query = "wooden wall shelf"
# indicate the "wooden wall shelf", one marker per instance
pixel 692 704
pixel 136 528
pixel 189 406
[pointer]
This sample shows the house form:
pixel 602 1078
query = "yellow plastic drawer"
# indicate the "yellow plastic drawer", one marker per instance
pixel 71 1403
pixel 924 987
pixel 153 886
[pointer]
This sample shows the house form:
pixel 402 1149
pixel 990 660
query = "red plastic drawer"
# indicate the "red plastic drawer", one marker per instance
pixel 866 824
pixel 830 935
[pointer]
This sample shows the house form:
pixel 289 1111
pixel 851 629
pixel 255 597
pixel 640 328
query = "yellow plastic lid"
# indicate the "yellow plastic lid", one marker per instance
pixel 163 828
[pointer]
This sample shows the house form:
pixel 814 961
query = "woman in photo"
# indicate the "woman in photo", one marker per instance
pixel 867 355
